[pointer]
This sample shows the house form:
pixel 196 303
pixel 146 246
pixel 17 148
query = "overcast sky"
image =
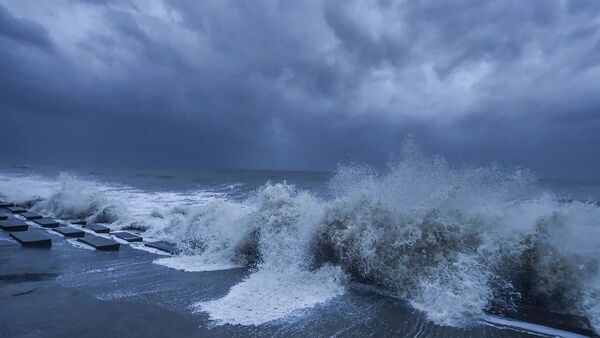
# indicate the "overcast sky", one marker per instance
pixel 300 84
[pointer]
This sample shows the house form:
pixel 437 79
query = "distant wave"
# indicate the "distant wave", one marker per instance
pixel 453 243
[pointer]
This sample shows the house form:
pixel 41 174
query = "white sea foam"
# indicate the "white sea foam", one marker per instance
pixel 69 196
pixel 448 241
pixel 451 241
pixel 268 295
pixel 284 222
pixel 195 263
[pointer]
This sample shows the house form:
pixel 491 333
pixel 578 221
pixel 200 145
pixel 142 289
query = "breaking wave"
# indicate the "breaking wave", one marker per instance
pixel 454 243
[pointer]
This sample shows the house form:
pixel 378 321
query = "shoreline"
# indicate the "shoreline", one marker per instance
pixel 66 290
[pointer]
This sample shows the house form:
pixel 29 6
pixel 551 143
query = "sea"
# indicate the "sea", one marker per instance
pixel 452 243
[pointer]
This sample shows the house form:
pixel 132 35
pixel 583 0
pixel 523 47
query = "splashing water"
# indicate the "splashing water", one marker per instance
pixel 452 242
pixel 283 221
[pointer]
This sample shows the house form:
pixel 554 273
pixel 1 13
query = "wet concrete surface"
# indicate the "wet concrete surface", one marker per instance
pixel 70 291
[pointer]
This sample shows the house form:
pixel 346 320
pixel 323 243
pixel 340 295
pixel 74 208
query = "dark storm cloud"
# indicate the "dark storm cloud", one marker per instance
pixel 23 30
pixel 301 85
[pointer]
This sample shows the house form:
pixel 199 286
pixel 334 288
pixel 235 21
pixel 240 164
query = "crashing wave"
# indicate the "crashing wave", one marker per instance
pixel 454 243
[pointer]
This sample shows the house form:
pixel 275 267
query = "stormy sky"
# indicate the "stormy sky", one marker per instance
pixel 300 84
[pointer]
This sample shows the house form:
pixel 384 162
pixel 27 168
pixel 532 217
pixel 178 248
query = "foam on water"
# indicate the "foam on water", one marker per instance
pixel 71 197
pixel 268 295
pixel 195 263
pixel 283 221
pixel 453 243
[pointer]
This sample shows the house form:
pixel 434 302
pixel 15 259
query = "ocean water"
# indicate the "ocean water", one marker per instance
pixel 451 242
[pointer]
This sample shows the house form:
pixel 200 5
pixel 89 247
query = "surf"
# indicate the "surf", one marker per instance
pixel 454 243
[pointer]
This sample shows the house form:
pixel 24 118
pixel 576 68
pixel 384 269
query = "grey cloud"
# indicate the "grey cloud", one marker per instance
pixel 305 85
pixel 23 30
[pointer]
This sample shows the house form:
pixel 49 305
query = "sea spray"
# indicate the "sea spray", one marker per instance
pixel 26 189
pixel 77 198
pixel 452 242
pixel 285 221
pixel 212 233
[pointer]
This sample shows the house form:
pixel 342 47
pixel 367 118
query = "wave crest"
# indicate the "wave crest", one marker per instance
pixel 453 242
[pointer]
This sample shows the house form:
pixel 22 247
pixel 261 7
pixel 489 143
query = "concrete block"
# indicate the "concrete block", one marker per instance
pixel 31 215
pixel 70 232
pixel 98 228
pixel 129 237
pixel 163 246
pixel 16 210
pixel 13 224
pixel 77 221
pixel 4 204
pixel 4 216
pixel 100 243
pixel 32 237
pixel 47 222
